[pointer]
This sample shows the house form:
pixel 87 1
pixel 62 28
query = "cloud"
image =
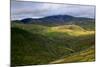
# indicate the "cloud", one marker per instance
pixel 20 9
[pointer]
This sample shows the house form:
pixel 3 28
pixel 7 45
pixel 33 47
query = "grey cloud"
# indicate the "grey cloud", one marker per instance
pixel 35 9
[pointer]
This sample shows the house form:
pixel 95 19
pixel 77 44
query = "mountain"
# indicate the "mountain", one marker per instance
pixel 56 20
pixel 27 20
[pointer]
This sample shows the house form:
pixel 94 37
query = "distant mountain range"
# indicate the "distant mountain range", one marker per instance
pixel 55 19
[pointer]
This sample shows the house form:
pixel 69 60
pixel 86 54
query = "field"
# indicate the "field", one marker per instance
pixel 36 44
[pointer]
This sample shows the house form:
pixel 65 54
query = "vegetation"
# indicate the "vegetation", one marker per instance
pixel 33 44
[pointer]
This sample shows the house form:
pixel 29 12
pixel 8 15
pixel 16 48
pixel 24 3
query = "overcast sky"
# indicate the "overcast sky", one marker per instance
pixel 21 9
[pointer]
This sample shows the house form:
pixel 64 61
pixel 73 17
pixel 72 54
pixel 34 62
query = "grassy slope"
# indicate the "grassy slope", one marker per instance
pixel 29 48
pixel 37 44
pixel 82 56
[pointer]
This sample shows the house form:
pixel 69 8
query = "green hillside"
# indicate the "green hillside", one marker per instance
pixel 33 44
pixel 82 56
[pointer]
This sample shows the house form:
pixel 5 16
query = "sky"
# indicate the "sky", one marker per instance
pixel 29 9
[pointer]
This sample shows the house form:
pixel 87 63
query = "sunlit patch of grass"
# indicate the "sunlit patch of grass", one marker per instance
pixel 80 33
pixel 65 28
pixel 72 30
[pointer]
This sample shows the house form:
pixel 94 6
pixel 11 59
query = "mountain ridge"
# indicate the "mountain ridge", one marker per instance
pixel 55 19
